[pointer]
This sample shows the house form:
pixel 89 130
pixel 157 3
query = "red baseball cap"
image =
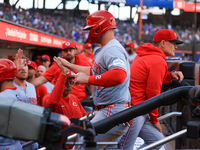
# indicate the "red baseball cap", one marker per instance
pixel 167 35
pixel 87 45
pixel 45 57
pixel 131 44
pixel 69 44
pixel 32 64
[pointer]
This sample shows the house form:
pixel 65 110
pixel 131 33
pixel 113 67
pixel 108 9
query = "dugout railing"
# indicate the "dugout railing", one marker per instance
pixel 164 99
pixel 174 97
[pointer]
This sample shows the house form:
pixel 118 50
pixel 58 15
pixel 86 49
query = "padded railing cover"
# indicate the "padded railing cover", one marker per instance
pixel 163 99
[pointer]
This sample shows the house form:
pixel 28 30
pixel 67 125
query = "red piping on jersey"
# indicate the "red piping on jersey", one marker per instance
pixel 9 89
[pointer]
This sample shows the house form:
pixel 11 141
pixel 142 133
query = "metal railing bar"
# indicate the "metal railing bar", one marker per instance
pixel 165 140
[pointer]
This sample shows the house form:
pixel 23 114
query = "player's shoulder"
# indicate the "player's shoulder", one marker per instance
pixel 113 45
pixel 82 61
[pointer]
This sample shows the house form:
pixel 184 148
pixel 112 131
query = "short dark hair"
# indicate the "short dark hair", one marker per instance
pixel 156 43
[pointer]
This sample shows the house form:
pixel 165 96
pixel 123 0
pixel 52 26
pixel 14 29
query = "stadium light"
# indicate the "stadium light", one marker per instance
pixel 135 19
pixel 121 4
pixel 175 12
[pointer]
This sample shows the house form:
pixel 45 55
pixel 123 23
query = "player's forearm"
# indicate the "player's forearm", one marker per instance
pixel 77 68
pixel 110 78
pixel 57 92
pixel 38 81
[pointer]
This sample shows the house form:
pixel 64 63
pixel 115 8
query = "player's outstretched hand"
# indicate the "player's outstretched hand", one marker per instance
pixel 158 126
pixel 64 62
pixel 81 78
pixel 19 62
pixel 90 115
pixel 64 70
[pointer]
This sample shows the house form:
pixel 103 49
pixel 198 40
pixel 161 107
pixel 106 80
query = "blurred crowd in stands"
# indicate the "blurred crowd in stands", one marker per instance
pixel 70 27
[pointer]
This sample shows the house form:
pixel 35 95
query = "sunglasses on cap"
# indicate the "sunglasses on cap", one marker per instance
pixel 70 82
pixel 44 59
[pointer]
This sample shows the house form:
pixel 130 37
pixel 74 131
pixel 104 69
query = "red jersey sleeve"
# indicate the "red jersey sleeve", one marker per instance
pixel 52 99
pixel 168 78
pixel 41 91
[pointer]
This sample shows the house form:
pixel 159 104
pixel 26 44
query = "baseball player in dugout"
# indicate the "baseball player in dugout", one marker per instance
pixel 69 52
pixel 148 72
pixel 109 75
pixel 88 52
pixel 41 90
pixel 28 89
pixel 22 74
pixel 45 60
pixel 60 99
pixel 40 71
pixel 130 48
pixel 8 72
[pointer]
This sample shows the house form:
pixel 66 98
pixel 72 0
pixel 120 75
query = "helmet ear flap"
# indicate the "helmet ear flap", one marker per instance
pixel 113 21
pixel 97 30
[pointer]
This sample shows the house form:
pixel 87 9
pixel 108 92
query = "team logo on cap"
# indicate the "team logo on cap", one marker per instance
pixel 67 43
pixel 29 62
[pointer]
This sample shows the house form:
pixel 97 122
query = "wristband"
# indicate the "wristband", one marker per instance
pixel 172 72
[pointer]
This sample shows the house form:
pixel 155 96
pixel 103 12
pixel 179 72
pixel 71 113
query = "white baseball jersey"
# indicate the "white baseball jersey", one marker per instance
pixel 112 55
pixel 131 57
pixel 49 86
pixel 30 93
pixel 14 94
pixel 30 97
pixel 18 95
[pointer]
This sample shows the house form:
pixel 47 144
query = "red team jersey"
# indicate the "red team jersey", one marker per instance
pixel 148 75
pixel 78 90
pixel 88 58
pixel 70 106
pixel 41 91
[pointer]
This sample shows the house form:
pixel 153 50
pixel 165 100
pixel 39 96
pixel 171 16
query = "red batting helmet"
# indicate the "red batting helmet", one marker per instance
pixel 98 23
pixel 8 70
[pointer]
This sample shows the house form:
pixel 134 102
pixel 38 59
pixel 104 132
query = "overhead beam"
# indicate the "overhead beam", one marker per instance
pixel 16 2
pixel 7 2
pixel 44 4
pixel 33 4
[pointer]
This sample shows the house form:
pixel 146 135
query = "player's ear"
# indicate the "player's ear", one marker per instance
pixel 76 51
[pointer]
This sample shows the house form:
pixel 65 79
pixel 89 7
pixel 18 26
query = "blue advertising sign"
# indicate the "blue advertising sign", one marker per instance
pixel 148 3
pixel 151 3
